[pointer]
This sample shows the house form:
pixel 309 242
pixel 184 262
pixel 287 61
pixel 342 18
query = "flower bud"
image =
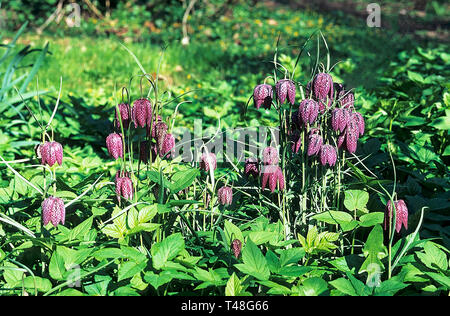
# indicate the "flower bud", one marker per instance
pixel 208 161
pixel 270 156
pixel 125 115
pixel 401 215
pixel 114 145
pixel 262 95
pixel 225 195
pixel 51 152
pixel 308 110
pixel 141 112
pixel 328 155
pixel 53 211
pixel 251 167
pixel 285 88
pixel 236 247
pixel 296 141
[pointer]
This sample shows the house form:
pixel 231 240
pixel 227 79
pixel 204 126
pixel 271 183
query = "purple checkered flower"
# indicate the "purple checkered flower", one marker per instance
pixel 314 143
pixel 114 145
pixel 262 95
pixel 328 155
pixel 323 90
pixel 141 112
pixel 273 175
pixel 51 152
pixel 251 167
pixel 53 211
pixel 285 88
pixel 208 161
pixel 225 195
pixel 401 215
pixel 308 111
pixel 125 115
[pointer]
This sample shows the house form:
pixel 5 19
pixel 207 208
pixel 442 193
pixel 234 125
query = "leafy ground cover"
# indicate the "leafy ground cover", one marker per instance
pixel 321 233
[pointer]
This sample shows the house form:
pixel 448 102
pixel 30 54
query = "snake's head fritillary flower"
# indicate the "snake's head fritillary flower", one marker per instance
pixel 273 175
pixel 160 133
pixel 308 111
pixel 51 152
pixel 53 211
pixel 208 161
pixel 323 90
pixel 125 115
pixel 401 215
pixel 225 195
pixel 347 99
pixel 339 119
pixel 285 88
pixel 314 143
pixel 114 145
pixel 351 136
pixel 358 118
pixel 251 167
pixel 141 112
pixel 270 156
pixel 328 155
pixel 236 247
pixel 168 147
pixel 124 186
pixel 263 95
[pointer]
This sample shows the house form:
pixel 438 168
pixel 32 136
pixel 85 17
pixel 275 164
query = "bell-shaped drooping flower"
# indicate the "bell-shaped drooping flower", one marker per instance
pixel 168 147
pixel 263 95
pixel 328 155
pixel 124 186
pixel 53 211
pixel 358 118
pixel 114 145
pixel 236 247
pixel 401 215
pixel 351 136
pixel 160 133
pixel 323 90
pixel 347 99
pixel 141 112
pixel 285 88
pixel 270 156
pixel 225 195
pixel 51 152
pixel 314 143
pixel 339 119
pixel 208 161
pixel 125 116
pixel 273 175
pixel 251 167
pixel 308 111
pixel 296 141
pixel 341 140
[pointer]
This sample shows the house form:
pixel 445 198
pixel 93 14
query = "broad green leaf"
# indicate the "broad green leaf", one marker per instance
pixel 129 269
pixel 344 285
pixel 166 250
pixel 233 287
pixel 254 262
pixel 356 199
pixel 183 179
pixel 313 287
pixel 371 219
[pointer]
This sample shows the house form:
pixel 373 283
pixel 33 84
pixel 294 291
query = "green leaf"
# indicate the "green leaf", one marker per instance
pixel 374 250
pixel 183 179
pixel 356 200
pixel 129 269
pixel 166 250
pixel 254 262
pixel 233 287
pixel 81 230
pixel 389 288
pixel 371 219
pixel 433 257
pixel 440 278
pixel 344 285
pixel 56 267
pixel 232 232
pixel 313 287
